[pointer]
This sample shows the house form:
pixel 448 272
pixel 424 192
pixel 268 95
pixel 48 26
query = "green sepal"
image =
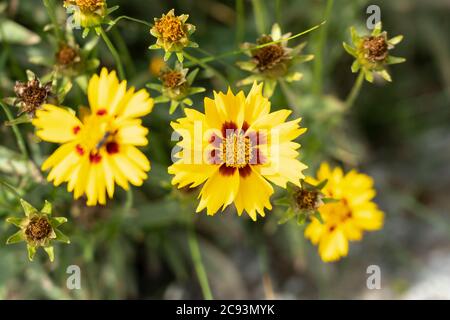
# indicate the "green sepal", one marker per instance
pixel 173 106
pixel 350 50
pixel 61 237
pixel 161 99
pixel 191 76
pixel 167 55
pixel 16 237
pixel 269 88
pixel 15 221
pixel 31 252
pixel 395 60
pixel 301 218
pixel 154 86
pixel 355 66
pixel 24 118
pixel 47 209
pixel 318 216
pixel 27 208
pixel 55 222
pixel 50 252
pixel 395 40
pixel 180 56
pixel 288 215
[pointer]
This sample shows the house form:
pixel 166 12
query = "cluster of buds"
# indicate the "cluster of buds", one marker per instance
pixel 272 60
pixel 303 202
pixel 372 52
pixel 172 34
pixel 176 86
pixel 38 229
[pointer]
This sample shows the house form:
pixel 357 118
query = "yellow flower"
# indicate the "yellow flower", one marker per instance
pixel 99 148
pixel 235 149
pixel 346 219
pixel 89 13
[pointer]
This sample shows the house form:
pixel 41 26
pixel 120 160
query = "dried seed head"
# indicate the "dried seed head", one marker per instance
pixel 375 48
pixel 38 229
pixel 170 27
pixel 31 95
pixel 67 55
pixel 268 56
pixel 308 200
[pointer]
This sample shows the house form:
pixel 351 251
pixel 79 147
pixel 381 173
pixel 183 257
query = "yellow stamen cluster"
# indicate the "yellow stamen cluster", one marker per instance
pixel 88 5
pixel 236 150
pixel 170 27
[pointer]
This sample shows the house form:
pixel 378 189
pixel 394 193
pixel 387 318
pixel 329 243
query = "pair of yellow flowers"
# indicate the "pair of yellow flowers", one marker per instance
pixel 235 150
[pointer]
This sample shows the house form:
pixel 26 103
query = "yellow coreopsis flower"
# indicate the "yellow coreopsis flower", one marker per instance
pixel 347 218
pixel 235 149
pixel 99 148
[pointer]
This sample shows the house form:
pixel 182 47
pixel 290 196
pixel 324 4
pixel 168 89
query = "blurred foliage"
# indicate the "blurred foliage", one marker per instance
pixel 136 246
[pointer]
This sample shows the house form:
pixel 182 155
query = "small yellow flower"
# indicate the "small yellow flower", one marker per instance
pixel 99 148
pixel 372 52
pixel 235 149
pixel 172 34
pixel 346 219
pixel 89 13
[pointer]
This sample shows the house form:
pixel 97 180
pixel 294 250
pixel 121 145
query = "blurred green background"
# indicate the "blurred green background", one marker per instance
pixel 137 248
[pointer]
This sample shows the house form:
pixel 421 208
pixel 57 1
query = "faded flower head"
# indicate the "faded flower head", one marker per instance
pixel 372 52
pixel 37 229
pixel 271 60
pixel 67 56
pixel 172 34
pixel 176 86
pixel 31 95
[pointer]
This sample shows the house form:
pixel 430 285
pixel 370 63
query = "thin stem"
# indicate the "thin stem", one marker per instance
pixel 198 263
pixel 115 21
pixel 114 53
pixel 318 61
pixel 19 137
pixel 50 6
pixel 197 61
pixel 234 52
pixel 355 91
pixel 10 188
pixel 240 21
pixel 260 15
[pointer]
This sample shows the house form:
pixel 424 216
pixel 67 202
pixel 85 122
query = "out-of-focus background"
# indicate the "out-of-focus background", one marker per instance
pixel 398 132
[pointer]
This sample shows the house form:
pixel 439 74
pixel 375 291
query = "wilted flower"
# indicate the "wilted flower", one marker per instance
pixel 346 218
pixel 303 202
pixel 67 56
pixel 31 95
pixel 272 61
pixel 98 149
pixel 244 147
pixel 372 52
pixel 172 34
pixel 38 229
pixel 176 86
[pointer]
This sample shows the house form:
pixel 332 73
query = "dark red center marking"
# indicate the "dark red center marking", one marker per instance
pixel 95 158
pixel 112 147
pixel 101 112
pixel 76 129
pixel 79 149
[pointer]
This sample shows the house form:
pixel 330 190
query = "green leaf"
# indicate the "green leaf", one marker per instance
pixel 188 102
pixel 85 32
pixel 246 65
pixel 31 252
pixel 15 221
pixel 167 55
pixel 322 184
pixel 301 219
pixel 14 33
pixel 50 252
pixel 61 237
pixel 196 90
pixel 16 237
pixel 354 35
pixel 282 202
pixel 368 75
pixel 161 99
pixel 154 47
pixel 27 208
pixel 154 86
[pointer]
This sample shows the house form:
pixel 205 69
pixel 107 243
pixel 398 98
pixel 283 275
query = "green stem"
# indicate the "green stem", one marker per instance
pixel 10 188
pixel 197 61
pixel 114 53
pixel 318 61
pixel 198 263
pixel 260 16
pixel 50 6
pixel 234 52
pixel 240 21
pixel 19 137
pixel 355 91
pixel 115 21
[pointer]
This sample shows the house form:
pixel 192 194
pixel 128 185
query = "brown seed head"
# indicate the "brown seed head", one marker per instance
pixel 375 48
pixel 38 229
